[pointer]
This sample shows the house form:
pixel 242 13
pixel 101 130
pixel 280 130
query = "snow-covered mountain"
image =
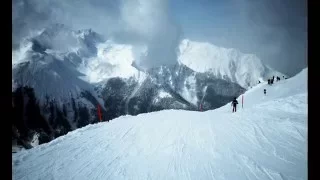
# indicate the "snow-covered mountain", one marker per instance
pixel 229 64
pixel 50 94
pixel 267 139
pixel 71 73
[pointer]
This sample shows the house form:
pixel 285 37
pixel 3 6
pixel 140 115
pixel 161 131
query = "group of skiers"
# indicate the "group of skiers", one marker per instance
pixel 235 102
pixel 270 81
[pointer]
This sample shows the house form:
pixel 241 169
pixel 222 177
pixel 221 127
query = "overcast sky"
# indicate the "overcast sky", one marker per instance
pixel 274 30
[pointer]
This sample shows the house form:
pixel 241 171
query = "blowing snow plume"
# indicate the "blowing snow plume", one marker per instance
pixel 144 23
pixel 29 16
pixel 150 20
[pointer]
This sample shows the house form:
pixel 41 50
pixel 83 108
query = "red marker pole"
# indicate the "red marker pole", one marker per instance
pixel 242 101
pixel 99 113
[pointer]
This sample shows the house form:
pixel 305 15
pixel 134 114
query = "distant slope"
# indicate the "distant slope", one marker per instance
pixel 265 140
pixel 296 85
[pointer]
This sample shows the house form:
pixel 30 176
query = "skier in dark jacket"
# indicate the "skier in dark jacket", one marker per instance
pixel 234 105
pixel 265 91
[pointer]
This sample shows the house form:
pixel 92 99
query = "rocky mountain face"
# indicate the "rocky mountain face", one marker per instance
pixel 57 87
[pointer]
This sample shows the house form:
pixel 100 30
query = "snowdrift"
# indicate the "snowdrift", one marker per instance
pixel 265 140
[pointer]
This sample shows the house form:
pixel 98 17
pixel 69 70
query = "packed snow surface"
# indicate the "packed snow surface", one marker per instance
pixel 267 139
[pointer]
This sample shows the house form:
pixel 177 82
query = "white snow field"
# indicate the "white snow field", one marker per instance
pixel 267 139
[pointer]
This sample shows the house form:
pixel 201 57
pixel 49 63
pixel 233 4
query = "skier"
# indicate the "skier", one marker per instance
pixel 268 81
pixel 234 105
pixel 265 91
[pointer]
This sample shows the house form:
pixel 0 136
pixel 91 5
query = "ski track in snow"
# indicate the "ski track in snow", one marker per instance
pixel 265 140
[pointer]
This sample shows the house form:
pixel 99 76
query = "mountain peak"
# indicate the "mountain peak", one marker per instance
pixel 231 64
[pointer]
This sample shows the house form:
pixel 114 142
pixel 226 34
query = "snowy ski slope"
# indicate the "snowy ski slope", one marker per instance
pixel 265 140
